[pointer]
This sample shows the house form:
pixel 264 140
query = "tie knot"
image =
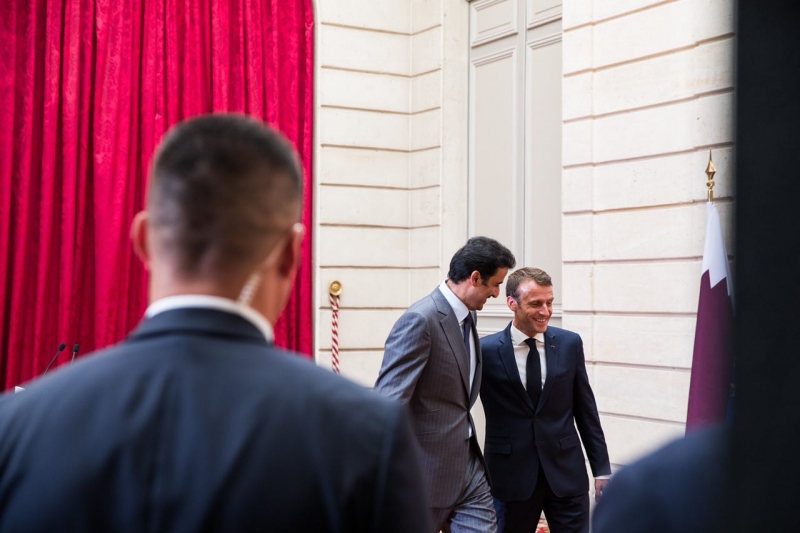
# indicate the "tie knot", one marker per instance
pixel 468 321
pixel 531 342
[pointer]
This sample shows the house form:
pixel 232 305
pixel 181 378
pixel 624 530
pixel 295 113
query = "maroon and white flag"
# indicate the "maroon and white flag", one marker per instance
pixel 709 390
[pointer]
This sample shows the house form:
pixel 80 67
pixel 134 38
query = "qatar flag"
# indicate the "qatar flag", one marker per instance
pixel 710 388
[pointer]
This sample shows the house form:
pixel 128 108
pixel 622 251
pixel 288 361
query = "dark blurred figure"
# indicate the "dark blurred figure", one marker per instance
pixel 680 488
pixel 765 463
pixel 196 422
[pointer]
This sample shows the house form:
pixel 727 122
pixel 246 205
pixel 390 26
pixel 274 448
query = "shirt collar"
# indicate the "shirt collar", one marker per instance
pixel 517 337
pixel 184 301
pixel 457 305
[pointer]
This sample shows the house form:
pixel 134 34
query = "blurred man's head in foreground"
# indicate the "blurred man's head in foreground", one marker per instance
pixel 223 211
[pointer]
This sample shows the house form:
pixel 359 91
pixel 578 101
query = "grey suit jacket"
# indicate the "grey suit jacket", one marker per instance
pixel 425 366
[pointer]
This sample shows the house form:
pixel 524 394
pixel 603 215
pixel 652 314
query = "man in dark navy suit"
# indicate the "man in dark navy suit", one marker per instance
pixel 196 422
pixel 535 391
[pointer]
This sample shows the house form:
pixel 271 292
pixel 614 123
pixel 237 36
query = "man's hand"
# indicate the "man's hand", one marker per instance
pixel 599 487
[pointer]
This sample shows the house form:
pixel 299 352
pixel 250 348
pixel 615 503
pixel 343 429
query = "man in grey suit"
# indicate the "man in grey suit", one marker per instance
pixel 432 362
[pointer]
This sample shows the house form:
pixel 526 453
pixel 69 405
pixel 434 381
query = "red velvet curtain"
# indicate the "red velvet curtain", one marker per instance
pixel 87 89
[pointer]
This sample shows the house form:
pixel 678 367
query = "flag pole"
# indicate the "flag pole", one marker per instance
pixel 710 171
pixel 709 386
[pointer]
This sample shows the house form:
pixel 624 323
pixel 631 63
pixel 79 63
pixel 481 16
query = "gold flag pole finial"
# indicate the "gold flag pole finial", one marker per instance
pixel 710 171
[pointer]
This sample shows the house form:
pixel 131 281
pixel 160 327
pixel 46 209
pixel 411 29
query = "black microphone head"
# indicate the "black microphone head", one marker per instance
pixel 53 360
pixel 74 352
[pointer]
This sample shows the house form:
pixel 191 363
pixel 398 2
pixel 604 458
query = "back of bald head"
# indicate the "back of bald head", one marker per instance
pixel 223 189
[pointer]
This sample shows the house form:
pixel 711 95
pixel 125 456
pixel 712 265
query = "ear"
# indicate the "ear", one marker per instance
pixel 292 252
pixel 139 238
pixel 512 303
pixel 475 278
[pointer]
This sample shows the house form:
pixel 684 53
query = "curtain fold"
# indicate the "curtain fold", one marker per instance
pixel 87 89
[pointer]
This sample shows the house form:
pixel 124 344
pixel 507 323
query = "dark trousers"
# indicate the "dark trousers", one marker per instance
pixel 564 515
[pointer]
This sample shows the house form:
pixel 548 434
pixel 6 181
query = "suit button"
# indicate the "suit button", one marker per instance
pixel 536 418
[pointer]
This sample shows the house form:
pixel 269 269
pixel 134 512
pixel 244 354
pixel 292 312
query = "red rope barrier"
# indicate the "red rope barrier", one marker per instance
pixel 335 290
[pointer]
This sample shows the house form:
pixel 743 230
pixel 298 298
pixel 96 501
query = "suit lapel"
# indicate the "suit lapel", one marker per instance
pixel 506 351
pixel 452 332
pixel 551 356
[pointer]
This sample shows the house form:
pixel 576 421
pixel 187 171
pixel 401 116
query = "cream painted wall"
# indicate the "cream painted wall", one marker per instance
pixel 648 89
pixel 385 217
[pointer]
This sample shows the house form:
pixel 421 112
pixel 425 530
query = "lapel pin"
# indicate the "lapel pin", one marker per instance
pixel 552 346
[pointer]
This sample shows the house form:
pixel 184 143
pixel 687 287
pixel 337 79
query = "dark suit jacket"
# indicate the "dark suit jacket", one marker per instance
pixel 522 438
pixel 196 423
pixel 425 365
pixel 679 488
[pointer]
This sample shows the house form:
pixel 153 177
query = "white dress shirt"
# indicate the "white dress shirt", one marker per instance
pixel 521 351
pixel 461 313
pixel 203 301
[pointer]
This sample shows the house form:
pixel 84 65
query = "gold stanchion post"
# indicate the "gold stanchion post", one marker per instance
pixel 335 290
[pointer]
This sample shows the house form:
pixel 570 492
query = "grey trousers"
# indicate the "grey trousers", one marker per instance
pixel 474 510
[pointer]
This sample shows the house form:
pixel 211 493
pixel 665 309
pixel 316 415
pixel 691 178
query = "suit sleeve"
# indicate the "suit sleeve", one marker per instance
pixel 400 498
pixel 405 355
pixel 588 420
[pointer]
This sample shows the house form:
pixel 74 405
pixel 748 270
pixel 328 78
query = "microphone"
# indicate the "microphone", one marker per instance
pixel 75 352
pixel 53 360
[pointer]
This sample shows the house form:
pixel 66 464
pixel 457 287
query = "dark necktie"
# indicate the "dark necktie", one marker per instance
pixel 467 335
pixel 533 372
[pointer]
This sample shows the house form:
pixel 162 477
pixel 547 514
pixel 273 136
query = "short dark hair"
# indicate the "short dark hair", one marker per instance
pixel 221 185
pixel 516 278
pixel 482 254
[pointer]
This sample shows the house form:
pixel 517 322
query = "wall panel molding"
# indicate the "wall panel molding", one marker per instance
pixel 542 16
pixel 498 18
